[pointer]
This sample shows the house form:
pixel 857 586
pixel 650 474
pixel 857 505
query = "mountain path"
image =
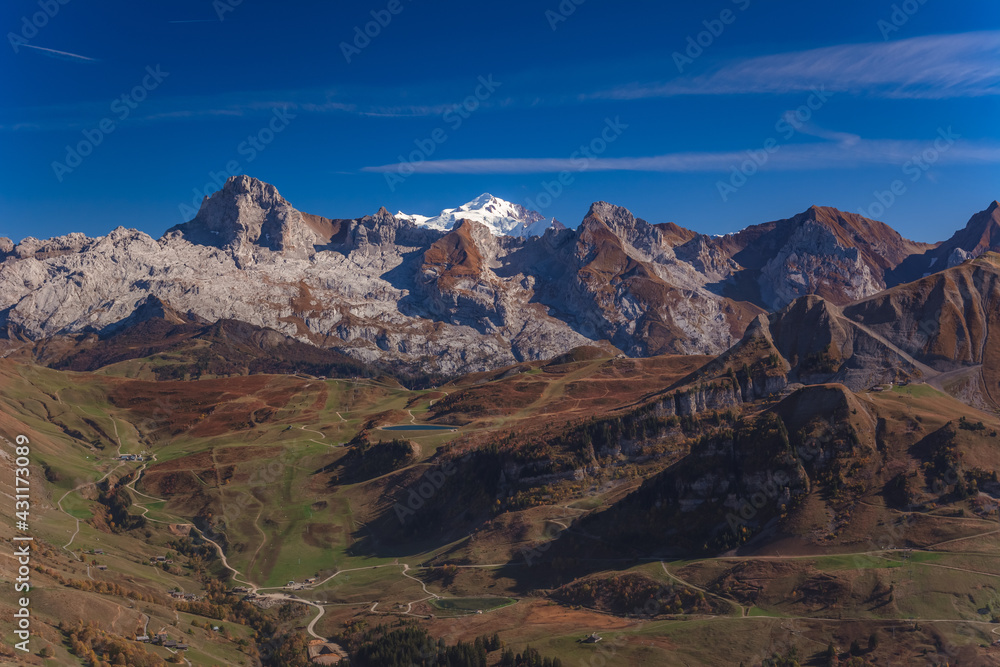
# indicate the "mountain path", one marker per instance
pixel 74 490
pixel 744 611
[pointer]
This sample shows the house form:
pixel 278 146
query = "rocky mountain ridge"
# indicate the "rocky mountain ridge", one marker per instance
pixel 383 289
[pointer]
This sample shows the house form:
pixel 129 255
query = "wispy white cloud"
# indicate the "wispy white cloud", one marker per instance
pixel 934 66
pixel 185 114
pixel 929 67
pixel 814 130
pixel 805 156
pixel 61 55
pixel 373 102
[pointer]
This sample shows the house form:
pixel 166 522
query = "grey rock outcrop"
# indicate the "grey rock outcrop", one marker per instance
pixel 450 301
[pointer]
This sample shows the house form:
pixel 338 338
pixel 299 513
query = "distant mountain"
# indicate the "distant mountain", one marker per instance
pixel 981 234
pixel 501 217
pixel 948 320
pixel 839 256
pixel 462 294
pixel 188 346
pixel 943 329
pixel 247 214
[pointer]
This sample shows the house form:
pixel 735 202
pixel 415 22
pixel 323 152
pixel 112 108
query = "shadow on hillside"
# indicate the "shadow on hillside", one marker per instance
pixel 404 278
pixel 456 521
pixel 533 565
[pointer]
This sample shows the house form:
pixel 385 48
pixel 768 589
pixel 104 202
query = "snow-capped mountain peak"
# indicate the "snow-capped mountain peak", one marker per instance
pixel 502 217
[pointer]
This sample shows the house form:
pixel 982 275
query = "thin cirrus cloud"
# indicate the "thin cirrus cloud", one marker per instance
pixel 927 67
pixel 373 102
pixel 61 55
pixel 851 152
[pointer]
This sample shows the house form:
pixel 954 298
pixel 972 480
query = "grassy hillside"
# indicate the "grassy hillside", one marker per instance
pixel 560 500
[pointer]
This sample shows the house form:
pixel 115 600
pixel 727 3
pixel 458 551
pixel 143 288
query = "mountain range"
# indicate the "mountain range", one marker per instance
pixel 490 284
pixel 502 218
pixel 787 434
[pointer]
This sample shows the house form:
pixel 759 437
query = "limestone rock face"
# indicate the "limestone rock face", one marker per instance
pixel 836 255
pixel 811 262
pixel 42 249
pixel 383 288
pixel 361 286
pixel 246 214
pixel 957 256
pixel 626 284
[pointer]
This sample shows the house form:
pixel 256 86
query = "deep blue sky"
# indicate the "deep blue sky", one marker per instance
pixel 891 88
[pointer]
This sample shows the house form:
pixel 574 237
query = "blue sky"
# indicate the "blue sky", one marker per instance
pixel 714 115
